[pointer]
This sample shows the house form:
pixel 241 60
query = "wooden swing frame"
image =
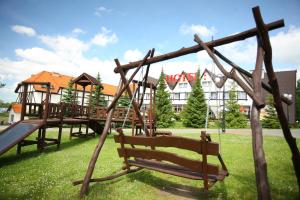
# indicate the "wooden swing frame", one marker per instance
pixel 252 88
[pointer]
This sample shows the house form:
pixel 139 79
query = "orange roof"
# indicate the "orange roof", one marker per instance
pixel 59 81
pixel 16 107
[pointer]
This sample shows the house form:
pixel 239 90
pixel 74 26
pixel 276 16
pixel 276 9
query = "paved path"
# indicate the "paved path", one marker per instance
pixel 272 132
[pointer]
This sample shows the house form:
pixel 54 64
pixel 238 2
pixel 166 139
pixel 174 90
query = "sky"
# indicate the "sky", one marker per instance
pixel 76 36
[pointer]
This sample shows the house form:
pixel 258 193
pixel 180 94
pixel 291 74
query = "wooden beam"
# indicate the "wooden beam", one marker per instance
pixel 129 81
pixel 232 75
pixel 260 164
pixel 248 74
pixel 266 44
pixel 145 79
pixel 194 49
pixel 111 177
pixel 134 103
pixel 91 167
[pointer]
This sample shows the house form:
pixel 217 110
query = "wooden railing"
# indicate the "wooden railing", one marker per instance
pixel 33 110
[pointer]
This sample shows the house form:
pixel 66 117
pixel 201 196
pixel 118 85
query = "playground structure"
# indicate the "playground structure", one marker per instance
pixel 252 85
pixel 76 114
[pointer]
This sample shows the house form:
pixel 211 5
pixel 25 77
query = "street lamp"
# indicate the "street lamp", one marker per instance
pixel 289 97
pixel 218 80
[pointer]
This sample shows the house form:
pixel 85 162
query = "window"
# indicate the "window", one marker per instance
pixel 241 95
pixel 213 95
pixel 177 108
pixel 176 96
pixel 182 95
pixel 183 85
pixel 226 95
pixel 206 83
pixel 147 96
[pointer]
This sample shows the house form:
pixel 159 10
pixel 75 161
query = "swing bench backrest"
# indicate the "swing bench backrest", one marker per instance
pixel 171 163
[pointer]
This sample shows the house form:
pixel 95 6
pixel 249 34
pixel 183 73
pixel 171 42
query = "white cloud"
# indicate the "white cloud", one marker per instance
pixel 24 30
pixel 105 37
pixel 285 46
pixel 78 31
pixel 132 55
pixel 69 47
pixel 100 10
pixel 202 30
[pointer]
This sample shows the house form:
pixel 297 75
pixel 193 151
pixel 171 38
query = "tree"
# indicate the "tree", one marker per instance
pixel 298 101
pixel 194 113
pixel 164 111
pixel 270 120
pixel 2 85
pixel 233 117
pixel 68 96
pixel 124 101
pixel 97 95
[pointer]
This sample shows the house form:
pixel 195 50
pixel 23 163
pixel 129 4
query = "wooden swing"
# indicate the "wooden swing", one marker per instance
pixel 171 163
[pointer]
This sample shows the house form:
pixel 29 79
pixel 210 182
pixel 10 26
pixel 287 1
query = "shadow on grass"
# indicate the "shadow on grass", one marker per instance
pixel 180 190
pixel 13 158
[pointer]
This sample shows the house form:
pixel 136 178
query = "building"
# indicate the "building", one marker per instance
pixel 180 87
pixel 59 84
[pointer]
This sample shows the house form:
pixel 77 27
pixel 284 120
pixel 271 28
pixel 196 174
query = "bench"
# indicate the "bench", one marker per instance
pixel 171 163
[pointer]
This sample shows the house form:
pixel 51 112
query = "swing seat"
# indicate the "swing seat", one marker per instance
pixel 171 163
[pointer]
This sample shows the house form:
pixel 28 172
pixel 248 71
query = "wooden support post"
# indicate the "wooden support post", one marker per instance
pixel 134 104
pixel 24 99
pixel 260 163
pixel 91 167
pixel 265 41
pixel 129 81
pixel 90 101
pixel 150 110
pixel 145 80
pixel 133 118
pixel 204 160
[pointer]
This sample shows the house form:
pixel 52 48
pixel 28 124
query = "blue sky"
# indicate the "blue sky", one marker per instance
pixel 72 37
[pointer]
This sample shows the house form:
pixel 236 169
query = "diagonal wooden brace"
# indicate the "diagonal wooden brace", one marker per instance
pixel 129 81
pixel 232 75
pixel 134 103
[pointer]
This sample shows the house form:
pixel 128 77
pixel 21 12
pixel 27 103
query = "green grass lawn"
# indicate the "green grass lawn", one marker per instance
pixel 48 175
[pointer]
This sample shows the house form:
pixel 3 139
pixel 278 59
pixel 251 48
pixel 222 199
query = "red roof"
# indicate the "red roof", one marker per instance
pixel 59 81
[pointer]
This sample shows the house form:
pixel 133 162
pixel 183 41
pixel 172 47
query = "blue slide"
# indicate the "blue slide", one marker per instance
pixel 15 133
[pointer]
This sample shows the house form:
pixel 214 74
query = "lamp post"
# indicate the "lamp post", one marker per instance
pixel 218 80
pixel 289 97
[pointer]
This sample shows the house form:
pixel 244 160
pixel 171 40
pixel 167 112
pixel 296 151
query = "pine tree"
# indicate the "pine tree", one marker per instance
pixel 164 112
pixel 2 85
pixel 270 120
pixel 124 101
pixel 97 95
pixel 194 113
pixel 233 117
pixel 68 96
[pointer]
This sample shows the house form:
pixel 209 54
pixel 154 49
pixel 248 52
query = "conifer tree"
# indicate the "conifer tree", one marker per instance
pixel 124 100
pixel 164 112
pixel 2 85
pixel 97 96
pixel 194 113
pixel 68 96
pixel 270 120
pixel 233 117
